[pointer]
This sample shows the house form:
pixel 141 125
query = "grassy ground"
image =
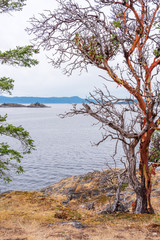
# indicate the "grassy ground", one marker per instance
pixel 31 215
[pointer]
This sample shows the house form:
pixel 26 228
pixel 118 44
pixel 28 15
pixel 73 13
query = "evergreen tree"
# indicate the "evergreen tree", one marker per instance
pixel 20 56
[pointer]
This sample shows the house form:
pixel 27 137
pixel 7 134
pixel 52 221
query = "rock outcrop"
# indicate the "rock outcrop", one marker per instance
pixel 96 191
pixel 37 105
pixel 33 105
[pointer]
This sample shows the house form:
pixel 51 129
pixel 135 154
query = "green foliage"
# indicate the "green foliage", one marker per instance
pixel 20 56
pixel 6 84
pixel 154 150
pixel 114 41
pixel 157 52
pixel 124 186
pixel 117 24
pixel 90 47
pixel 18 133
pixel 9 5
pixel 10 159
pixel 158 27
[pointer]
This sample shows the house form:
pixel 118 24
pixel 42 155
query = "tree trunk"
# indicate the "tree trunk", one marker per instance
pixel 143 203
pixel 142 188
pixel 143 194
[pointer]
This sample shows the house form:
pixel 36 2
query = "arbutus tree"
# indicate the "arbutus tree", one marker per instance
pixel 120 37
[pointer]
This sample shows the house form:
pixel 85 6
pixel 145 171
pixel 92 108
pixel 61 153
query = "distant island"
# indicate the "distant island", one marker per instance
pixel 33 105
pixel 41 100
pixel 47 100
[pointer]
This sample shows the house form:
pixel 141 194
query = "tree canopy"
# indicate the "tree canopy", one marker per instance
pixel 10 159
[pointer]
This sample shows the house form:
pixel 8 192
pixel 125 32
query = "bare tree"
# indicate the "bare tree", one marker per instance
pixel 102 33
pixel 121 120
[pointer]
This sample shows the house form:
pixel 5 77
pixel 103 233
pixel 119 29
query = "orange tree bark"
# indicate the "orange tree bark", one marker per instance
pixel 143 201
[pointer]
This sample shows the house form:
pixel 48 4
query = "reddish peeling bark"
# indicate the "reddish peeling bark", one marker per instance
pixel 144 195
pixel 143 201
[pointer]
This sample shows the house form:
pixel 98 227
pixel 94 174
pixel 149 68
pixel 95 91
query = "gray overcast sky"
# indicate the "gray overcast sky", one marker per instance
pixel 43 80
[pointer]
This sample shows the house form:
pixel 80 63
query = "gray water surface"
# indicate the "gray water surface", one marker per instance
pixel 64 146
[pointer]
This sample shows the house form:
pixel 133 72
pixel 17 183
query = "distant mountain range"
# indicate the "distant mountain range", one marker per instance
pixel 44 100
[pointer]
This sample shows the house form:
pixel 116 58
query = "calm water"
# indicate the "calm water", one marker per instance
pixel 64 146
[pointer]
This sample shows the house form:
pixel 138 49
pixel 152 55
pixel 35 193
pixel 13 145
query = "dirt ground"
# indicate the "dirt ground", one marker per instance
pixel 32 215
pixel 107 231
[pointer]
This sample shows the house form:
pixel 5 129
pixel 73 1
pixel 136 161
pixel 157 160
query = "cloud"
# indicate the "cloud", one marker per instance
pixel 42 80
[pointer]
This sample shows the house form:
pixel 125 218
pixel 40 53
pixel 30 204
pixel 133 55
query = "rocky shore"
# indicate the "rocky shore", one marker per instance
pixel 93 191
pixel 97 191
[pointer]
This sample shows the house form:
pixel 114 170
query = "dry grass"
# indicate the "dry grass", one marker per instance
pixel 20 230
pixel 35 216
